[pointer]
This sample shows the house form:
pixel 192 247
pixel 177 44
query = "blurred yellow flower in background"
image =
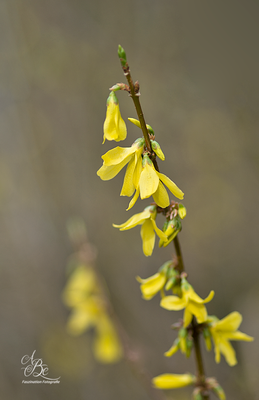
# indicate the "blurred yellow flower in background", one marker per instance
pixel 84 296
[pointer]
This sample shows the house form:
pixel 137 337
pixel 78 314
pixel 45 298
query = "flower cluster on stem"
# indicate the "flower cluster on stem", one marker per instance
pixel 143 179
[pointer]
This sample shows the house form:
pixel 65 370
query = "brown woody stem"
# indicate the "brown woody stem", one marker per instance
pixel 134 93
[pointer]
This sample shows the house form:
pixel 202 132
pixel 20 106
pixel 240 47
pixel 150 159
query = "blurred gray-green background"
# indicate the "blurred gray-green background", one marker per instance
pixel 197 64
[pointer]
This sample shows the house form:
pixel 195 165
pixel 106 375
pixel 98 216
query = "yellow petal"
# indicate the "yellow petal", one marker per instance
pixel 148 237
pixel 217 352
pixel 161 196
pixel 228 352
pixel 114 127
pixel 238 336
pixel 190 293
pixel 109 127
pixel 148 181
pixel 173 349
pixel 120 127
pixel 158 231
pixel 107 172
pixel 230 323
pixel 173 381
pixel 187 317
pixel 133 200
pixel 138 168
pixel 128 187
pixel 209 297
pixel 135 220
pixel 171 186
pixel 152 285
pixel 199 310
pixel 173 303
pixel 135 122
pixel 117 155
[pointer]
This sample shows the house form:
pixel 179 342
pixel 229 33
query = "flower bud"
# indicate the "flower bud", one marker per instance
pixel 172 228
pixel 137 123
pixel 122 56
pixel 197 394
pixel 150 129
pixel 216 388
pixel 157 149
pixel 183 339
pixel 182 211
pixel 171 283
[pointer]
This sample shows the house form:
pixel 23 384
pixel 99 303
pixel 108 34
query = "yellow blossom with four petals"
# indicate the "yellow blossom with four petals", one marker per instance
pixel 148 228
pixel 222 332
pixel 190 301
pixel 150 182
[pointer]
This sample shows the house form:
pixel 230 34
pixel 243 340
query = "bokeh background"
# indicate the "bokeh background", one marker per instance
pixel 197 64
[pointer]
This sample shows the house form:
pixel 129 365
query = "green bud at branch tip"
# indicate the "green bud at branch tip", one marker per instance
pixel 122 56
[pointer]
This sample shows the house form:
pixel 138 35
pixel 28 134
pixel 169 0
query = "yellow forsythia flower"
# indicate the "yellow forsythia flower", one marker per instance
pixel 173 381
pixel 83 294
pixel 148 229
pixel 190 301
pixel 222 332
pixel 114 127
pixel 114 160
pixel 150 183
